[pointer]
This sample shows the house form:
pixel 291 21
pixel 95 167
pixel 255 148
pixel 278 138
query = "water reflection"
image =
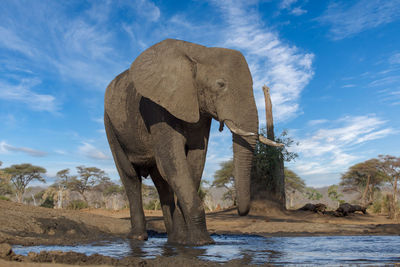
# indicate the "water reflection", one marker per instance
pixel 253 249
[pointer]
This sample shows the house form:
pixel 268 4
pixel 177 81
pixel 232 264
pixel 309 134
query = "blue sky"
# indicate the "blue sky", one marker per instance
pixel 333 68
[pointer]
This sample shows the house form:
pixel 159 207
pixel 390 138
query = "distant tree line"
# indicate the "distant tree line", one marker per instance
pixel 15 179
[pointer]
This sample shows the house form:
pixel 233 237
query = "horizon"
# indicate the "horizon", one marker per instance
pixel 333 69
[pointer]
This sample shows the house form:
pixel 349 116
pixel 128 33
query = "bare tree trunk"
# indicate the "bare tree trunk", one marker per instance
pixel 364 195
pixel 268 114
pixel 395 198
pixel 19 196
pixel 276 191
pixel 34 200
pixel 60 198
pixel 114 202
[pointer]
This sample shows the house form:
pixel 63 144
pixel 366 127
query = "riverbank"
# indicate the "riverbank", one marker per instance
pixel 27 225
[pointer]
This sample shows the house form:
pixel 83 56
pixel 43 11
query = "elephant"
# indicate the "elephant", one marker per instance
pixel 157 118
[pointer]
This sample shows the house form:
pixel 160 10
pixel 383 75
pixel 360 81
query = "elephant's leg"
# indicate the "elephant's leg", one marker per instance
pixel 173 218
pixel 197 144
pixel 133 188
pixel 196 159
pixel 132 183
pixel 173 165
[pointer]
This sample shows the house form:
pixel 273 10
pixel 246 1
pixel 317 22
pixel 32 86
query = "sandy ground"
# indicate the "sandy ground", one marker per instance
pixel 27 225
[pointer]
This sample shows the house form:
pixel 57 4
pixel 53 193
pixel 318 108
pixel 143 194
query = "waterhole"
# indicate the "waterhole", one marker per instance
pixel 327 250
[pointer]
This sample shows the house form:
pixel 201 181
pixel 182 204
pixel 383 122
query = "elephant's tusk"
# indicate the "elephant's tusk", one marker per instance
pixel 236 130
pixel 221 126
pixel 268 142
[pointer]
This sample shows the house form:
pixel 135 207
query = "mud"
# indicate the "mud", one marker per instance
pixel 27 225
pixel 73 258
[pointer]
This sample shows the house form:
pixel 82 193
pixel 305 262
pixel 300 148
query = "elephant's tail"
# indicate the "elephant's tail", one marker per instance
pixel 120 158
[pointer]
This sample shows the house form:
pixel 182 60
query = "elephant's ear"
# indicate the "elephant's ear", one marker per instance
pixel 164 74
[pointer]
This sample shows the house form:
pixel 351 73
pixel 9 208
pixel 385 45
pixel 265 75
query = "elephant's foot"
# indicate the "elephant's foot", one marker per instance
pixel 138 236
pixel 177 237
pixel 200 239
pixel 190 239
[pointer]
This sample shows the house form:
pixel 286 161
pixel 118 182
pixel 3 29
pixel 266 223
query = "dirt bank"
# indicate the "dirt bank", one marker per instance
pixel 27 225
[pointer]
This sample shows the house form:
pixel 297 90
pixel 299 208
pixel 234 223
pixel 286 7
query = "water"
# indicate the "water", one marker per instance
pixel 326 250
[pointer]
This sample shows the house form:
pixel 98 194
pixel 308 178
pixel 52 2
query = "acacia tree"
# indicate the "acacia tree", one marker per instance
pixel 293 183
pixel 224 178
pixel 390 166
pixel 364 178
pixel 335 195
pixel 5 187
pixel 63 181
pixel 22 174
pixel 313 194
pixel 64 178
pixel 87 178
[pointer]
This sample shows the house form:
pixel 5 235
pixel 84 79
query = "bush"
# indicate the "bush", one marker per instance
pixel 48 203
pixel 113 189
pixel 4 198
pixel 152 205
pixel 377 206
pixel 77 205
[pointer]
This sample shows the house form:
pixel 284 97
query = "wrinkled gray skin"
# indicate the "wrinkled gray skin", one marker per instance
pixel 157 118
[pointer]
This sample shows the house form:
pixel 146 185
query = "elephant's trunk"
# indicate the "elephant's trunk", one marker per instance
pixel 243 151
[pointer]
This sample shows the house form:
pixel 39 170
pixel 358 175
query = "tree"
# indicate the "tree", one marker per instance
pixel 87 178
pixel 335 195
pixel 313 194
pixel 63 182
pixel 364 178
pixel 293 183
pixel 64 178
pixel 22 174
pixel 224 178
pixel 267 162
pixel 5 186
pixel 151 196
pixel 390 166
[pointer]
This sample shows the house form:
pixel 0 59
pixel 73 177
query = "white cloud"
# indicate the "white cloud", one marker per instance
pixel 288 4
pixel 285 4
pixel 297 11
pixel 348 86
pixel 283 67
pixel 148 9
pixel 395 59
pixel 60 152
pixel 12 41
pixel 92 152
pixel 333 149
pixel 316 122
pixel 24 93
pixel 80 48
pixel 4 148
pixel 347 20
pixel 99 120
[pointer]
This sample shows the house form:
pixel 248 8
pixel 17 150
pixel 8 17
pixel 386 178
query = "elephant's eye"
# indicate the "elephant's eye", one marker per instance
pixel 220 83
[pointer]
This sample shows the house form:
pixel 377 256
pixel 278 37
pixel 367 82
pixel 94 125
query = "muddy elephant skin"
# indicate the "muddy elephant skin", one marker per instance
pixel 157 117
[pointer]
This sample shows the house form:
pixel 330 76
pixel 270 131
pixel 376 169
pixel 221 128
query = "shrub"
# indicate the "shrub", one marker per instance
pixel 377 206
pixel 77 205
pixel 4 198
pixel 48 203
pixel 152 205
